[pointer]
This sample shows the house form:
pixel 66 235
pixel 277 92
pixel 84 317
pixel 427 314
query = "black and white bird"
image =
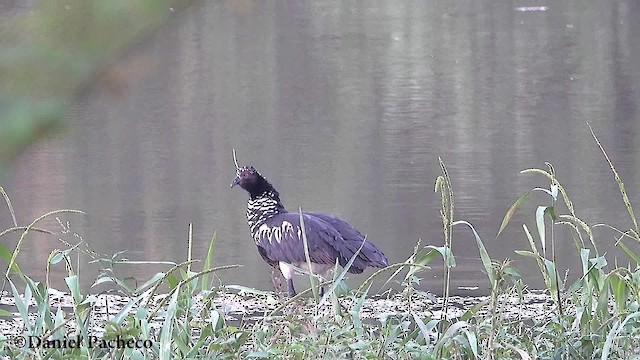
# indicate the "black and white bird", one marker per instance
pixel 278 235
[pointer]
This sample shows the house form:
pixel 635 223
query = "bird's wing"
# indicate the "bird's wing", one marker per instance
pixel 345 229
pixel 266 258
pixel 280 239
pixel 369 255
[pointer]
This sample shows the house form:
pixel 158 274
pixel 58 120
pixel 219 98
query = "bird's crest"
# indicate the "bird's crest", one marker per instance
pixel 253 182
pixel 241 169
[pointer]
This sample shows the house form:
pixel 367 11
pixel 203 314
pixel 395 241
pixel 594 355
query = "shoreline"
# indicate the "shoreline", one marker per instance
pixel 242 309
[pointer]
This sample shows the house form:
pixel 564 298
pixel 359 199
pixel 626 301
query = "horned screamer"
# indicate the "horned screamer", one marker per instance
pixel 278 234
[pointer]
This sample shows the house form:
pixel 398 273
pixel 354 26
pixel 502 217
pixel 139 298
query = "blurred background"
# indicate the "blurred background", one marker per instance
pixel 130 112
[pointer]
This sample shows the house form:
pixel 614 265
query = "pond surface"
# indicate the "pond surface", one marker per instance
pixel 345 107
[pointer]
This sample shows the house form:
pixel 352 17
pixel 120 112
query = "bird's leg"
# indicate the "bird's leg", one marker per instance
pixel 277 280
pixel 290 290
pixel 287 272
pixel 323 276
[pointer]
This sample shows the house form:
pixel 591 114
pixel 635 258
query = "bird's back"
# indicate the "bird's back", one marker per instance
pixel 280 238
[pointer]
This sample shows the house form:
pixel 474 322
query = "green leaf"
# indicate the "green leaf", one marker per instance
pixel 523 354
pixel 102 280
pixel 259 355
pixel 584 260
pixel 554 191
pixel 21 305
pixel 74 287
pixel 599 263
pixel 122 314
pixel 56 257
pixel 526 253
pixel 484 255
pixel 474 310
pixel 449 334
pixel 419 261
pixel 606 349
pixel 532 243
pixel 629 252
pixel 546 191
pixel 150 283
pixel 355 313
pixel 541 228
pixel 551 273
pixel 620 291
pixel 423 327
pixel 445 252
pixel 173 281
pixel 511 211
pixel 473 341
pixel 6 255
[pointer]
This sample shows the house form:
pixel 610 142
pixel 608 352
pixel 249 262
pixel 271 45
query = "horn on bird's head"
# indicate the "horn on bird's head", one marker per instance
pixel 235 160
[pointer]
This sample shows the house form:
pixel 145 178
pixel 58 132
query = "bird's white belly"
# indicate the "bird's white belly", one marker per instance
pixel 288 270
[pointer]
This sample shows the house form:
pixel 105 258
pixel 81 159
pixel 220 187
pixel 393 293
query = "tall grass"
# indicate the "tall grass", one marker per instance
pixel 177 311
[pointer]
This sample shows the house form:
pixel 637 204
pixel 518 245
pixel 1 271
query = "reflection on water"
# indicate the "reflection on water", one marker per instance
pixel 345 107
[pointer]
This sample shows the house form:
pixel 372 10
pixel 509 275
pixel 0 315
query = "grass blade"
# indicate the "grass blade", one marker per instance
pixel 339 278
pixel 26 231
pixel 9 205
pixel 167 328
pixel 623 192
pixel 484 255
pixel 312 280
pixel 208 262
pixel 511 211
pixel 606 349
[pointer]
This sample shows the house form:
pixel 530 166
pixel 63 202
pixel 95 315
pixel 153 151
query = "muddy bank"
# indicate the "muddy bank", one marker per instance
pixel 243 309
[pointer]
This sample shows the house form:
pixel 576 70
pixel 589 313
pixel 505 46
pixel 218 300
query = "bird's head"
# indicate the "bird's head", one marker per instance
pixel 250 179
pixel 255 184
pixel 247 177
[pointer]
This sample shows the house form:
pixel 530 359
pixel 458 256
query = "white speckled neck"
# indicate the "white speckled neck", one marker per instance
pixel 262 208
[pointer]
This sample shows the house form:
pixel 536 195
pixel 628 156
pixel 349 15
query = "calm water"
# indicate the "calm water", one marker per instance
pixel 345 107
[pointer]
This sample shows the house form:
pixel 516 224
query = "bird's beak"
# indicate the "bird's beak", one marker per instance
pixel 236 181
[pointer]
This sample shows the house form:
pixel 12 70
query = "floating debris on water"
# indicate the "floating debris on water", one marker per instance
pixel 531 8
